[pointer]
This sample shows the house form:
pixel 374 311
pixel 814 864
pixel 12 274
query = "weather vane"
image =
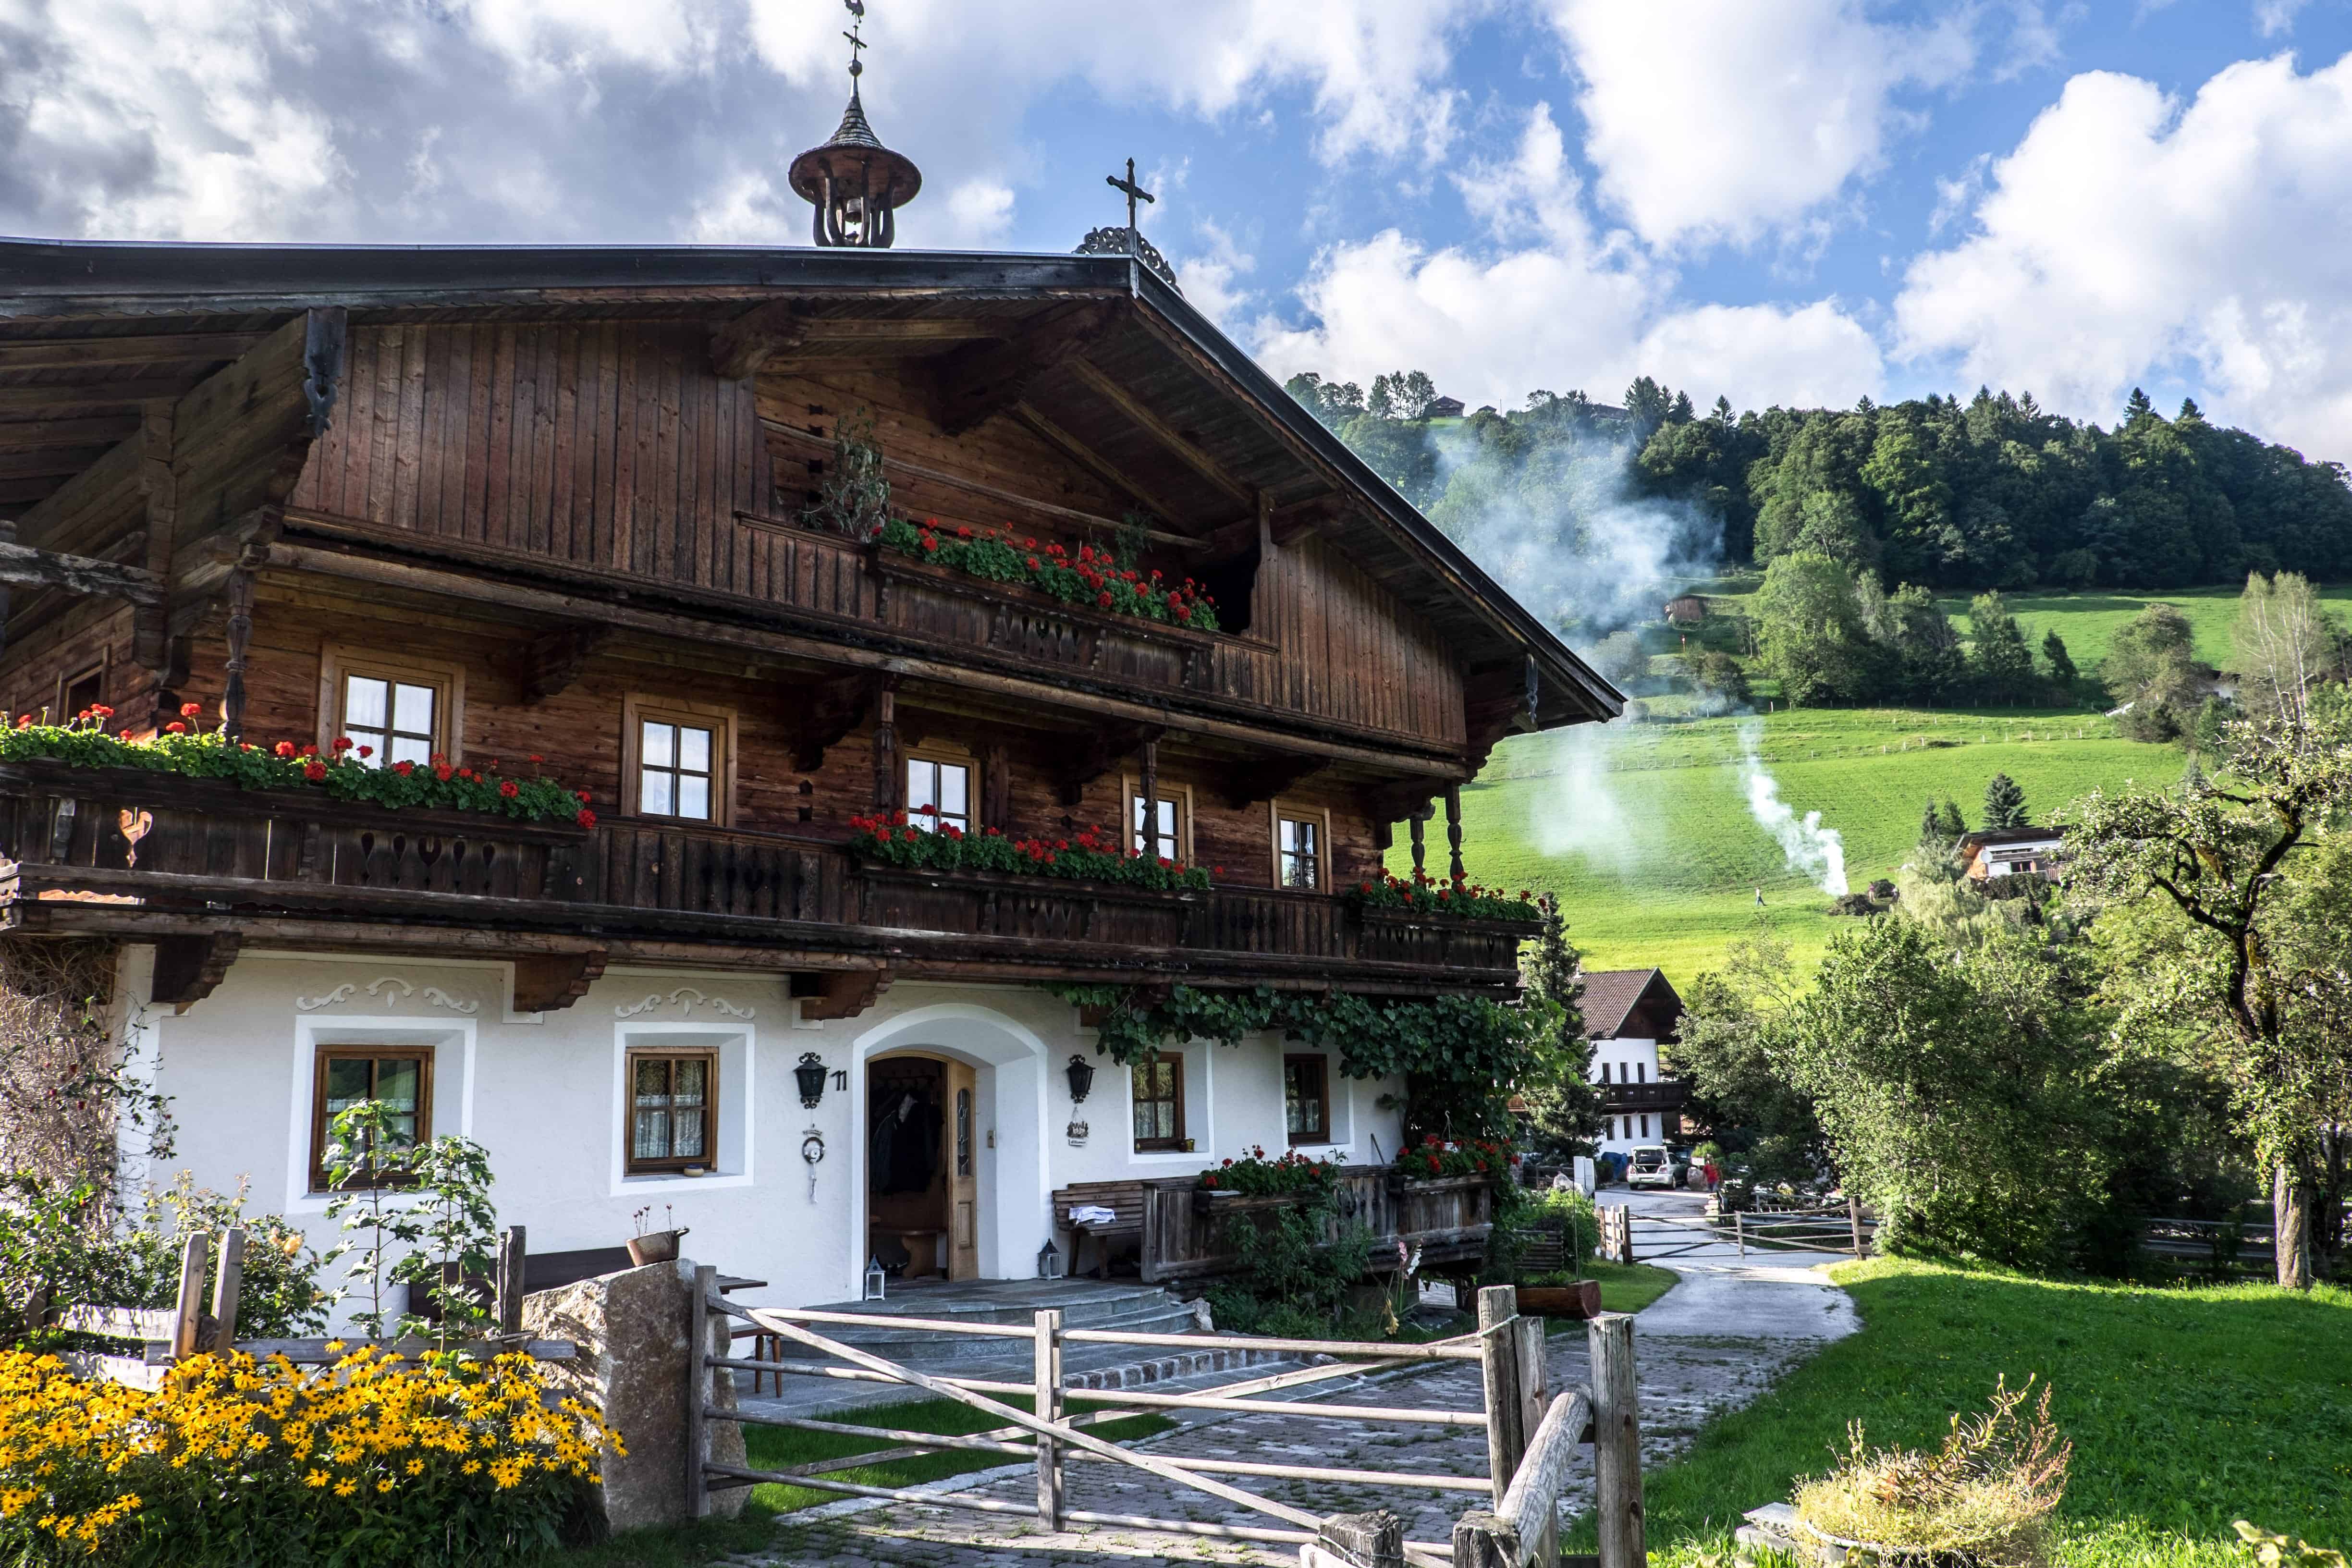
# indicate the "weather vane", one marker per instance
pixel 857 44
pixel 855 184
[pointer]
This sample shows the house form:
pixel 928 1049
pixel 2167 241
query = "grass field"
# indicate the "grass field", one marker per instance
pixel 2188 1408
pixel 1643 830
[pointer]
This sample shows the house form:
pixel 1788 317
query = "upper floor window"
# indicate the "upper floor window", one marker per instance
pixel 1171 838
pixel 78 694
pixel 680 761
pixel 402 711
pixel 1302 847
pixel 938 792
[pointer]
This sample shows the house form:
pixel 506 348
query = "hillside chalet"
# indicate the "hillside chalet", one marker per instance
pixel 2012 852
pixel 534 512
pixel 1628 1014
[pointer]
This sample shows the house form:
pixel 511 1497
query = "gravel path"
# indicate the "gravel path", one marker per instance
pixel 1709 1345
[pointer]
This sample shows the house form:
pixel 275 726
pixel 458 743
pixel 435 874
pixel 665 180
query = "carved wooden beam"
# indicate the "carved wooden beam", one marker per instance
pixel 27 567
pixel 550 982
pixel 151 628
pixel 76 353
pixel 740 347
pixel 820 715
pixel 1160 430
pixel 1250 784
pixel 1094 462
pixel 1096 754
pixel 839 992
pixel 1400 799
pixel 983 380
pixel 552 662
pixel 1288 524
pixel 188 968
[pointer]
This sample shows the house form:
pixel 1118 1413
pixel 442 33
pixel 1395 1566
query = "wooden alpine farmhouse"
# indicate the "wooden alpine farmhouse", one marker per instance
pixel 559 513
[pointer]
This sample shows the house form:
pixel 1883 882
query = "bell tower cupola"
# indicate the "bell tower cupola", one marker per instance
pixel 855 184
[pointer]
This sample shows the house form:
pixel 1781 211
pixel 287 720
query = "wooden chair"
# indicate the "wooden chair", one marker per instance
pixel 1124 1199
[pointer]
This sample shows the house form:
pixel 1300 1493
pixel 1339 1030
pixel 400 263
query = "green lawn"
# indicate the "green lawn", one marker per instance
pixel 2188 1408
pixel 1643 829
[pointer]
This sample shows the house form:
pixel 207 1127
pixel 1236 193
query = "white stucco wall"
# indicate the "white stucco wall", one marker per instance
pixel 1627 1062
pixel 545 1095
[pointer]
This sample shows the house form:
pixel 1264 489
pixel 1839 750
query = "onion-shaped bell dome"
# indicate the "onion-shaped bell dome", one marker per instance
pixel 855 184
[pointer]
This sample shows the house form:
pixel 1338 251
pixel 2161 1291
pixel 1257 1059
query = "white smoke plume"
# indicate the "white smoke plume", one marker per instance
pixel 1817 852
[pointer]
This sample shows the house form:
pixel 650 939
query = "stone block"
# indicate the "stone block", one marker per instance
pixel 631 1330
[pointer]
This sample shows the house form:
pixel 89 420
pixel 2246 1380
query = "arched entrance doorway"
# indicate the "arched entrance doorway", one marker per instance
pixel 951 1161
pixel 922 1166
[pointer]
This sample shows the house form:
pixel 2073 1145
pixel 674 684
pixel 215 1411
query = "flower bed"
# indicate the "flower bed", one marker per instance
pixel 1460 898
pixel 1091 856
pixel 1090 578
pixel 1287 1174
pixel 1433 1158
pixel 342 771
pixel 232 1461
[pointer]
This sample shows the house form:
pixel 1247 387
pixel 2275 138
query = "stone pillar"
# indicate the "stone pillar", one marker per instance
pixel 633 1364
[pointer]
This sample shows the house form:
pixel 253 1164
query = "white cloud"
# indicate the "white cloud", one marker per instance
pixel 2129 235
pixel 1211 278
pixel 2272 18
pixel 1725 120
pixel 1571 307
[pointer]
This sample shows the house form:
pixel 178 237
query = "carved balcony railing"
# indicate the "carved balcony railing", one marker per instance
pixel 119 849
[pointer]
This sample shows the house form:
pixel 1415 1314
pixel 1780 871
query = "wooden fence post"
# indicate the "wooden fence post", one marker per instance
pixel 513 1248
pixel 1535 1399
pixel 1482 1540
pixel 1048 1398
pixel 228 1284
pixel 1616 1442
pixel 700 1377
pixel 188 1313
pixel 1374 1540
pixel 1739 1230
pixel 1853 1219
pixel 1498 1360
pixel 1625 1232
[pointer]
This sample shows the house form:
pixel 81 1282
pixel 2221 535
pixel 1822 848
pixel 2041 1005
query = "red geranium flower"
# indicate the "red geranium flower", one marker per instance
pixel 314 771
pixel 1104 600
pixel 190 710
pixel 442 771
pixel 342 743
pixel 285 748
pixel 537 758
pixel 508 790
pixel 24 720
pixel 930 543
pixel 585 817
pixel 367 751
pixel 176 728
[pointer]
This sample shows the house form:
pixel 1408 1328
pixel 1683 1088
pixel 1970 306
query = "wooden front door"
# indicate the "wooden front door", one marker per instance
pixel 963 1172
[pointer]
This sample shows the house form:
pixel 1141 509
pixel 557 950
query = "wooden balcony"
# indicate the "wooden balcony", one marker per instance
pixel 132 853
pixel 1668 1094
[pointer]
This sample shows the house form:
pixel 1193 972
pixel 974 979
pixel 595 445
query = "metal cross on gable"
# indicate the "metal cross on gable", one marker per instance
pixel 1134 193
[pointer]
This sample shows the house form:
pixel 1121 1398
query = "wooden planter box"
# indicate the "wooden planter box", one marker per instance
pixel 1582 1299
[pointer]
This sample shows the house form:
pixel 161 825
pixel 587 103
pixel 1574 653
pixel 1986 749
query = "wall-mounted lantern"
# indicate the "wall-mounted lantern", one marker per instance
pixel 1049 1260
pixel 811 1073
pixel 875 1278
pixel 1082 1078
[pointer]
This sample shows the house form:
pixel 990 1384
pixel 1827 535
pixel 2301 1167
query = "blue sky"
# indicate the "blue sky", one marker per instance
pixel 1780 200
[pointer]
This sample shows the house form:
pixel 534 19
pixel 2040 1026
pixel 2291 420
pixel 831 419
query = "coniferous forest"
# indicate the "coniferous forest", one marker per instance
pixel 1992 492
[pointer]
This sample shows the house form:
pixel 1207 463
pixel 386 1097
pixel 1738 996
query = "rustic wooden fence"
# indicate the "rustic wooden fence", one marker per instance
pixel 1531 1433
pixel 166 1335
pixel 1627 1236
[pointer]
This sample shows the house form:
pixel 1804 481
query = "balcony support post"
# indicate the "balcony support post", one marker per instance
pixel 240 637
pixel 885 749
pixel 1147 836
pixel 1420 820
pixel 1453 831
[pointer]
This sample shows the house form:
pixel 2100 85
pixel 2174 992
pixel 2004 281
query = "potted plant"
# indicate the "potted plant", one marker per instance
pixel 1982 1499
pixel 650 1246
pixel 1567 1294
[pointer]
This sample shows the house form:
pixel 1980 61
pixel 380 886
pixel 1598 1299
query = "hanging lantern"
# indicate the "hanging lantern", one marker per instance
pixel 1049 1260
pixel 1082 1078
pixel 811 1073
pixel 875 1278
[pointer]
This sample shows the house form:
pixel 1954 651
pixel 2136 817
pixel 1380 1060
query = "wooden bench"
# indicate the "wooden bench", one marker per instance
pixel 1124 1199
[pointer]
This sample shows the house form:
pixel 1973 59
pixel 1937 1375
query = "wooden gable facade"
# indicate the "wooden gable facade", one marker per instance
pixel 566 489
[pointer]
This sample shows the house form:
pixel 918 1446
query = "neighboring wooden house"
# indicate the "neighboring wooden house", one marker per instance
pixel 2012 851
pixel 1686 610
pixel 1628 1014
pixel 544 511
pixel 1444 408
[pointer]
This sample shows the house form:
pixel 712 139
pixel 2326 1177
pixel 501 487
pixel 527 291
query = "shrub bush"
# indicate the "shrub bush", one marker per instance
pixel 371 1463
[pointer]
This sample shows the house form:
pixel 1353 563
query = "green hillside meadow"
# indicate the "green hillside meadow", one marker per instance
pixel 1644 833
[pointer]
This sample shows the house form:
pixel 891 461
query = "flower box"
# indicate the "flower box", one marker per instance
pixel 1579 1300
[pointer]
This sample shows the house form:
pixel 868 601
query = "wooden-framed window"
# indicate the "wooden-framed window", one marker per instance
pixel 1302 847
pixel 401 1076
pixel 1158 1087
pixel 942 788
pixel 402 711
pixel 673 1110
pixel 1173 840
pixel 80 692
pixel 678 760
pixel 1307 1098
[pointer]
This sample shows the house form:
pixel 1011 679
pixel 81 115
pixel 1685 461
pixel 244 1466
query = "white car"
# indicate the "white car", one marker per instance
pixel 1653 1166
